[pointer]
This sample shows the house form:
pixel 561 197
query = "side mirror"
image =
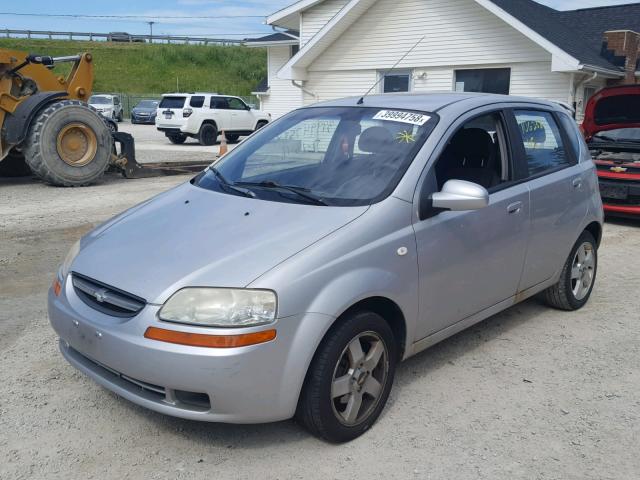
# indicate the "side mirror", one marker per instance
pixel 460 195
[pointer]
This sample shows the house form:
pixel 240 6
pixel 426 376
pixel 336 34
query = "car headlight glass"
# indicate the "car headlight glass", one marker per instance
pixel 68 260
pixel 220 307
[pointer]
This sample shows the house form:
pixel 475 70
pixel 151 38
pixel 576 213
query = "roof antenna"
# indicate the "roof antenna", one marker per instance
pixel 361 101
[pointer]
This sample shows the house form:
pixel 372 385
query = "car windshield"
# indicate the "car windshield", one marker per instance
pixel 618 135
pixel 325 155
pixel 147 104
pixel 96 100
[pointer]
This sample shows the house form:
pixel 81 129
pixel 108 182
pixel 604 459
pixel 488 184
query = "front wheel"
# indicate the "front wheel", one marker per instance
pixel 68 144
pixel 577 278
pixel 349 379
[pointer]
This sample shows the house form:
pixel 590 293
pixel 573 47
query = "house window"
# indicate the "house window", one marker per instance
pixel 487 80
pixel 293 50
pixel 394 82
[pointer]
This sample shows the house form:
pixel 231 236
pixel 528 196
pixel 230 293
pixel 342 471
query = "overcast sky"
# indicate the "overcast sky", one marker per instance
pixel 166 12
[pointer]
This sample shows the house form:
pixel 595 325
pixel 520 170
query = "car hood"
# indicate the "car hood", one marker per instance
pixel 143 110
pixel 190 236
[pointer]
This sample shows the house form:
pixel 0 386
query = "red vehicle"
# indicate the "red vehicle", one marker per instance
pixel 611 128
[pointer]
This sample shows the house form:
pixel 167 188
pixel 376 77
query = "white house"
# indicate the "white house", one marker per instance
pixel 337 48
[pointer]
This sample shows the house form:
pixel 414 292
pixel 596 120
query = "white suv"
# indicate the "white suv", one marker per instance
pixel 204 115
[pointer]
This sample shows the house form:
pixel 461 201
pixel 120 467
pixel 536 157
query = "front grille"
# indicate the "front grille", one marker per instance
pixel 105 298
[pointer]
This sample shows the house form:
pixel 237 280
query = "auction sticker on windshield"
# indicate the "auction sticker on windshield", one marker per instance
pixel 404 117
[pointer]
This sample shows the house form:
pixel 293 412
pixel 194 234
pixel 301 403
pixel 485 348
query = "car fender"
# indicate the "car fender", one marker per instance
pixel 16 124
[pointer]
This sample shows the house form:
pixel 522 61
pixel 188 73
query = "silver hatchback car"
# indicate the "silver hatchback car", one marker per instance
pixel 290 277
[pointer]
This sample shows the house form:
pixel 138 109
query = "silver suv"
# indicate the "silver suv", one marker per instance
pixel 291 276
pixel 108 106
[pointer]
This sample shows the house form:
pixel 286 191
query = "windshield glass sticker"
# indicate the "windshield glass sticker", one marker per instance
pixel 405 137
pixel 404 117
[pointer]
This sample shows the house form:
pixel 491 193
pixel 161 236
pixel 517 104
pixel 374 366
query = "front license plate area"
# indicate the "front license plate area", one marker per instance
pixel 617 192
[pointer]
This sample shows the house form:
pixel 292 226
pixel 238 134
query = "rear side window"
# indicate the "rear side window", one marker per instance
pixel 219 103
pixel 573 134
pixel 543 145
pixel 172 102
pixel 197 101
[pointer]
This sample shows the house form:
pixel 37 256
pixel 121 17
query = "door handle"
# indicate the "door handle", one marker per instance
pixel 515 207
pixel 577 183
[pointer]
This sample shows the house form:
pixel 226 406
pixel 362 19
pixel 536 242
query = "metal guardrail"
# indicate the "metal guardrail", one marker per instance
pixel 109 37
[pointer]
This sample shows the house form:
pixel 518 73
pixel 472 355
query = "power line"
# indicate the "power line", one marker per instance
pixel 166 17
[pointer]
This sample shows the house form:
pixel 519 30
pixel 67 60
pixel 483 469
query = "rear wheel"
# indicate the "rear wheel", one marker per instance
pixel 120 116
pixel 208 134
pixel 177 138
pixel 68 144
pixel 14 165
pixel 349 379
pixel 577 278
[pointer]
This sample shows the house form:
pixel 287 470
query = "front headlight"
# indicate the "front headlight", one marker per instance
pixel 220 307
pixel 68 260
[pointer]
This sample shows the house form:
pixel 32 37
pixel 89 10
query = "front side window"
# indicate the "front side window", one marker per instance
pixel 476 153
pixel 486 80
pixel 543 145
pixel 236 104
pixel 341 155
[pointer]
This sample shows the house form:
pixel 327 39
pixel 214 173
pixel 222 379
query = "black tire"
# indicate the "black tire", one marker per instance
pixel 261 124
pixel 232 137
pixel 177 138
pixel 317 410
pixel 120 116
pixel 208 134
pixel 14 165
pixel 562 295
pixel 41 152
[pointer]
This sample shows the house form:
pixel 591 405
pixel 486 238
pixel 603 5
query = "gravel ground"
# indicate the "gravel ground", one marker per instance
pixel 530 393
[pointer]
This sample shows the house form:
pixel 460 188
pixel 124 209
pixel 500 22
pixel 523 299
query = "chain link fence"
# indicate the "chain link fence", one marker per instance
pixel 130 100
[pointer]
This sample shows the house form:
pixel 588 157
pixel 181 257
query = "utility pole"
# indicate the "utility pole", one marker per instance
pixel 151 31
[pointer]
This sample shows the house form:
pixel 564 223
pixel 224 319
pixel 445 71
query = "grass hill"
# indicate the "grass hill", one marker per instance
pixel 143 68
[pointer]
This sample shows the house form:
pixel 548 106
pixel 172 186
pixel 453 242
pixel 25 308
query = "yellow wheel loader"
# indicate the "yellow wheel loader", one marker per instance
pixel 47 128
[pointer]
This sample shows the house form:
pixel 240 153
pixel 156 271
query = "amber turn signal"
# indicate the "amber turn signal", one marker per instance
pixel 210 341
pixel 57 287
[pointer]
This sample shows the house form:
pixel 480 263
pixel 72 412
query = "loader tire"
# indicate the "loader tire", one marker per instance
pixel 68 145
pixel 14 165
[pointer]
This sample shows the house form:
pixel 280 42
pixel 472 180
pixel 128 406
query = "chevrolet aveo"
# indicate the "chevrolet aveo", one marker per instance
pixel 290 277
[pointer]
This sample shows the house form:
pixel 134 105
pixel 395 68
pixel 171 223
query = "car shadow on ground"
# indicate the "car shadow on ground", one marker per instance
pixel 263 435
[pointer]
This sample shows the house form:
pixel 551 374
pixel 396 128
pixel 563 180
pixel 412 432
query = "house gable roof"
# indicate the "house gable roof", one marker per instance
pixel 574 38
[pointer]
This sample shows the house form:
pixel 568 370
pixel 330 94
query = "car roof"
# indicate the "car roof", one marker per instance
pixel 183 94
pixel 433 102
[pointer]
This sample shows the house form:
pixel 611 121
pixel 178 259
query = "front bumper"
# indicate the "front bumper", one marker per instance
pixel 255 384
pixel 620 195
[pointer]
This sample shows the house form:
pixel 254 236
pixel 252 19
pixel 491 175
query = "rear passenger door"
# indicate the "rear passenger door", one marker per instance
pixel 221 113
pixel 548 163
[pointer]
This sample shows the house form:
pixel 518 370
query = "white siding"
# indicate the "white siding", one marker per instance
pixel 457 32
pixel 533 79
pixel 330 85
pixel 315 18
pixel 283 97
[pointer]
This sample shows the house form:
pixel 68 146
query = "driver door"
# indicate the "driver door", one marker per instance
pixel 472 260
pixel 241 117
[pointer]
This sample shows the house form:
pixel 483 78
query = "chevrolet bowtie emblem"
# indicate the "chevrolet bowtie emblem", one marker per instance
pixel 618 169
pixel 100 295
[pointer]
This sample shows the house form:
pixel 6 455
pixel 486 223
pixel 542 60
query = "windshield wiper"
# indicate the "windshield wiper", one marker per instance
pixel 230 186
pixel 300 191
